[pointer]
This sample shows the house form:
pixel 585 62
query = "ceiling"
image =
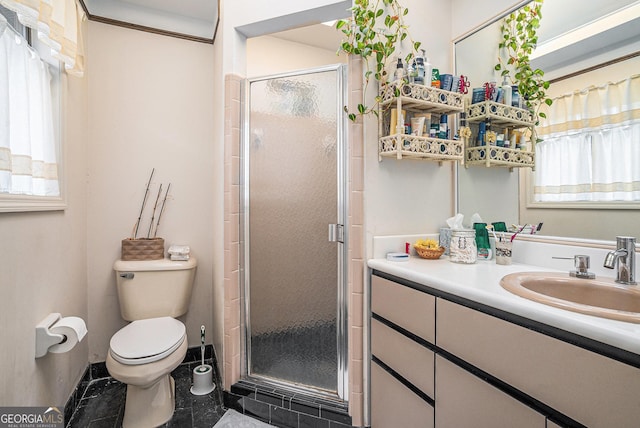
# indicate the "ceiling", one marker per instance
pixel 190 19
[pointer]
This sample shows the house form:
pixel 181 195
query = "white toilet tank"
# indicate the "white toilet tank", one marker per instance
pixel 154 288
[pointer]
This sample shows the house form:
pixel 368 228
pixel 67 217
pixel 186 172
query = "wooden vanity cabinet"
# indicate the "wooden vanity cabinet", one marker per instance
pixel 440 360
pixel 402 382
pixel 590 388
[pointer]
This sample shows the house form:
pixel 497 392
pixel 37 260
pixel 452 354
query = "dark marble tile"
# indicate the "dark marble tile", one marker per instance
pixel 308 421
pixel 305 406
pixel 270 398
pixel 104 423
pixel 99 371
pixel 256 409
pixel 243 390
pixel 194 354
pixel 338 425
pixel 182 418
pixel 283 418
pixel 232 401
pixel 335 415
pixel 205 413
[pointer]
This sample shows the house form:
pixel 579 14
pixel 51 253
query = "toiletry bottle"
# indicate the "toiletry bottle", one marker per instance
pixel 427 69
pixel 444 127
pixel 506 92
pixel 411 71
pixel 419 71
pixel 482 129
pixel 515 96
pixel 399 70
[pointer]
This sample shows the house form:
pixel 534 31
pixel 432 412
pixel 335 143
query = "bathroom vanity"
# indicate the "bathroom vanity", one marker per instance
pixel 451 348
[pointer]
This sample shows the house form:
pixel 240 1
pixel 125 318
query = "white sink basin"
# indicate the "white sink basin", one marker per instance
pixel 599 297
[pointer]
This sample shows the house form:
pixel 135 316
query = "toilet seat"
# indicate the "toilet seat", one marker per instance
pixel 148 340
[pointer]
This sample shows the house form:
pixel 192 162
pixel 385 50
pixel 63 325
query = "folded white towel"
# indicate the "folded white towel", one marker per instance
pixel 179 257
pixel 179 249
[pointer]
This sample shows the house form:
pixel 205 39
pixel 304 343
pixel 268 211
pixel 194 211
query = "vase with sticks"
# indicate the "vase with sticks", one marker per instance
pixel 150 247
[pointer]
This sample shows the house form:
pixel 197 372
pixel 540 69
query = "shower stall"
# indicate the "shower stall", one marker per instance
pixel 293 211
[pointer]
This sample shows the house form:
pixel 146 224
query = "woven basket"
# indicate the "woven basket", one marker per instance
pixel 429 253
pixel 143 249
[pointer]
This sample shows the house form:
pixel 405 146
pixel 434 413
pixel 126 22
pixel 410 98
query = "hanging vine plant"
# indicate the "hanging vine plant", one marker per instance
pixel 519 39
pixel 373 32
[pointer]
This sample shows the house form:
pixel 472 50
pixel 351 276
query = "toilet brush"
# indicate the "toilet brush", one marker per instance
pixel 202 374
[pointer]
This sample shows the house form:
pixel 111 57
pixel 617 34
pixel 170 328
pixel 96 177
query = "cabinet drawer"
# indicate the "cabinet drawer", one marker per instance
pixel 393 405
pixel 404 306
pixel 465 401
pixel 592 389
pixel 409 359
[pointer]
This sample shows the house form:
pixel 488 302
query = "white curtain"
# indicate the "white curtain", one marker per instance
pixel 591 145
pixel 27 140
pixel 58 24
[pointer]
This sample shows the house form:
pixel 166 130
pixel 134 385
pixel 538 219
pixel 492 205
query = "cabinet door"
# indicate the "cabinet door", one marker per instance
pixel 465 401
pixel 393 405
pixel 411 309
pixel 592 389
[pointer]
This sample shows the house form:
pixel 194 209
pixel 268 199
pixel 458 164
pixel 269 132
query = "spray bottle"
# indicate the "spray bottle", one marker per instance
pixel 399 75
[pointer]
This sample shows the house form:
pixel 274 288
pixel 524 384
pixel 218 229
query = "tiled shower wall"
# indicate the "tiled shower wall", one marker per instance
pixel 232 296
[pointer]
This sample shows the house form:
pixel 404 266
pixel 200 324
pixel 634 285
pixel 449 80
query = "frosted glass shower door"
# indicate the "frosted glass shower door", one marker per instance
pixel 294 181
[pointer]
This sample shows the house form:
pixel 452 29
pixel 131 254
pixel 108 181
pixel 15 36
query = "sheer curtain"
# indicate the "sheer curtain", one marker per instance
pixel 58 24
pixel 591 145
pixel 27 142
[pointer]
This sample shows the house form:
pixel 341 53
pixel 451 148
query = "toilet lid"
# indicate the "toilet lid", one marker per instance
pixel 146 341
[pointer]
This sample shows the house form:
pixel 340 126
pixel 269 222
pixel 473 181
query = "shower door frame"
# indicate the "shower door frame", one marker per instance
pixel 342 327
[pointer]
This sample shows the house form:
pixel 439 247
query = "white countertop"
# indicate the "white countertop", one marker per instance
pixel 480 282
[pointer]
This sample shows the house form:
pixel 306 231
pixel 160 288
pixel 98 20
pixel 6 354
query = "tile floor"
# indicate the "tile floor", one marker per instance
pixel 102 404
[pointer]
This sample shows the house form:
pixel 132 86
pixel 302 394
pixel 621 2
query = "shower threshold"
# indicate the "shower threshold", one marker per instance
pixel 286 406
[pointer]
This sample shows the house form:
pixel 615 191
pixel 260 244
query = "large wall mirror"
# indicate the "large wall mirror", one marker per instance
pixel 581 44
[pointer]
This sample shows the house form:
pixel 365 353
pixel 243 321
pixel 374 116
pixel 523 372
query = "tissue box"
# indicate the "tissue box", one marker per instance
pixel 142 249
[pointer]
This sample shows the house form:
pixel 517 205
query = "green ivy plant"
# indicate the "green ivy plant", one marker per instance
pixel 373 32
pixel 519 39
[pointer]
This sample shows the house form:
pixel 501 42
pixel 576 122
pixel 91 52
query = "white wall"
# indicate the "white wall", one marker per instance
pixel 150 106
pixel 44 269
pixel 270 55
pixel 410 196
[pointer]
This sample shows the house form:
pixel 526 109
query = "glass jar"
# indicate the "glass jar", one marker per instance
pixel 463 247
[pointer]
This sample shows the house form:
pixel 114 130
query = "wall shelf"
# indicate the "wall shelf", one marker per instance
pixel 411 146
pixel 504 117
pixel 499 156
pixel 501 115
pixel 417 99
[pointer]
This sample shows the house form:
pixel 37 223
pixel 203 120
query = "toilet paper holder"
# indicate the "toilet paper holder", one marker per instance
pixel 45 338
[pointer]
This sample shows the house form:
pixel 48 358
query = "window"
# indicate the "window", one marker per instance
pixel 591 146
pixel 30 143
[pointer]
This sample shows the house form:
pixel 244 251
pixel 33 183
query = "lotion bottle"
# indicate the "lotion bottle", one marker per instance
pixel 428 69
pixel 506 92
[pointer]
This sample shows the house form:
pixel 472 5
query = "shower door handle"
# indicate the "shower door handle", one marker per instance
pixel 336 233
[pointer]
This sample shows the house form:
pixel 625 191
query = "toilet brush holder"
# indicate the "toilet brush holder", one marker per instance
pixel 202 380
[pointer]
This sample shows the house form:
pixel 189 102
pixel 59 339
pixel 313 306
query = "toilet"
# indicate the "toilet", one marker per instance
pixel 142 354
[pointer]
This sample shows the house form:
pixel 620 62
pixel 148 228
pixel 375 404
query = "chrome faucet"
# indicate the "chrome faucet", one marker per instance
pixel 625 258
